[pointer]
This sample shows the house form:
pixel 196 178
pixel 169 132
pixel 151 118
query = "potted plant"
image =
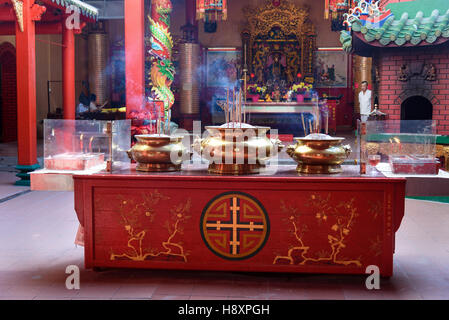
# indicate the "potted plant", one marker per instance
pixel 256 92
pixel 300 90
pixel 252 92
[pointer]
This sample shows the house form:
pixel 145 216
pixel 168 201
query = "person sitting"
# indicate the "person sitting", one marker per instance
pixel 82 110
pixel 93 106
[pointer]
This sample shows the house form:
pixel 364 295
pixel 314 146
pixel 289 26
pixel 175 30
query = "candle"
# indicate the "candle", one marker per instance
pixel 234 104
pixel 244 50
pixel 227 106
pixel 81 142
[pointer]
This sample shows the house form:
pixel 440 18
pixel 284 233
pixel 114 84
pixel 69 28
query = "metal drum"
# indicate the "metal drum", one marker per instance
pixel 98 63
pixel 189 62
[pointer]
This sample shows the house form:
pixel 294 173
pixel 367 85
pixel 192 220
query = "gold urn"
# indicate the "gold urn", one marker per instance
pixel 319 153
pixel 158 153
pixel 238 150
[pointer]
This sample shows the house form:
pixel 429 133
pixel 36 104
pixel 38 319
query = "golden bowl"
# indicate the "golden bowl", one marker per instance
pixel 237 151
pixel 158 153
pixel 320 154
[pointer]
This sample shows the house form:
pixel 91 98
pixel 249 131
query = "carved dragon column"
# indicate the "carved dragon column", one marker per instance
pixel 162 70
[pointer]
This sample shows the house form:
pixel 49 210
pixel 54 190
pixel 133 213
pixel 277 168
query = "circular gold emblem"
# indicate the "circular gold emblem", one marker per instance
pixel 234 225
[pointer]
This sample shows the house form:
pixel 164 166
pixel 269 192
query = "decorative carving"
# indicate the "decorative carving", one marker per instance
pixel 288 17
pixel 18 9
pixel 404 73
pixel 37 11
pixel 430 72
pixel 417 69
pixel 279 35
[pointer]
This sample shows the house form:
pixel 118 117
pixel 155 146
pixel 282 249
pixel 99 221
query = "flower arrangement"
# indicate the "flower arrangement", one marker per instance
pixel 302 87
pixel 257 90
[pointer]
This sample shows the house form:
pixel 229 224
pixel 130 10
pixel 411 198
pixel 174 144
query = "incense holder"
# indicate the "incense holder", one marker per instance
pixel 159 153
pixel 319 154
pixel 234 150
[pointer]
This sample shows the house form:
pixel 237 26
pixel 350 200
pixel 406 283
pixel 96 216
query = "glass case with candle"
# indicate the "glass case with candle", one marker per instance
pixel 86 145
pixel 399 147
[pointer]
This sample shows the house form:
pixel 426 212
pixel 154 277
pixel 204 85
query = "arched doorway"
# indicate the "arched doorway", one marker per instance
pixel 8 93
pixel 415 108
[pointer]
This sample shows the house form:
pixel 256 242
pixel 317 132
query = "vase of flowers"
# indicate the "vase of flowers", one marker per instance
pixel 256 92
pixel 301 90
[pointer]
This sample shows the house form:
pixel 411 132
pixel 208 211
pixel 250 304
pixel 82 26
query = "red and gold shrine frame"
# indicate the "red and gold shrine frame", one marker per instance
pixel 319 225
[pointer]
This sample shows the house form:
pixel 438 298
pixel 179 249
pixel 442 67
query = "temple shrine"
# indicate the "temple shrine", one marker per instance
pixel 268 137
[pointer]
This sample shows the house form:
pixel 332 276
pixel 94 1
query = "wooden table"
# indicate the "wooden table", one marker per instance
pixel 285 222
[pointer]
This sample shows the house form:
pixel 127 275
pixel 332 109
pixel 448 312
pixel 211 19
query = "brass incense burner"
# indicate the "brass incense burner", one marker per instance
pixel 319 153
pixel 159 153
pixel 238 150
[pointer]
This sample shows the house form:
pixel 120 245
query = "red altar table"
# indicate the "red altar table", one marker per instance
pixel 286 222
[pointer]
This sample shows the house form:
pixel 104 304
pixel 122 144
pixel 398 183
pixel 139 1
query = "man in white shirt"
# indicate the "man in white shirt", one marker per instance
pixel 365 101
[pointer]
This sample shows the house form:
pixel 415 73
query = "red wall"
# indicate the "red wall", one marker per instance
pixel 8 92
pixel 393 92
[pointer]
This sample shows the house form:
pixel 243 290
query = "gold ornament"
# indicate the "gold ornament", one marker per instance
pixel 18 9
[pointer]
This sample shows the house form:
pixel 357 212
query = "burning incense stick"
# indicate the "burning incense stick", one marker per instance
pixel 303 124
pixel 310 126
pixel 227 106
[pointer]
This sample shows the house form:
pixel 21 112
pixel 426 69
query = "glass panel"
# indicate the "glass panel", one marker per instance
pixel 401 147
pixel 81 145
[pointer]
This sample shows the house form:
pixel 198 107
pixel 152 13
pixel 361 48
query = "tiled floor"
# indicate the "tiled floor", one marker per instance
pixel 37 230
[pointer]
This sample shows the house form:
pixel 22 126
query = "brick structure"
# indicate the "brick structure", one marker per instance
pixel 410 52
pixel 393 92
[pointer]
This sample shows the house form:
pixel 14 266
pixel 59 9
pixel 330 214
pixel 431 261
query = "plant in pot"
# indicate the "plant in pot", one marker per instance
pixel 301 90
pixel 256 92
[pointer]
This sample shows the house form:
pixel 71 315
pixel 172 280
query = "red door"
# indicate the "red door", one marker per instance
pixel 8 93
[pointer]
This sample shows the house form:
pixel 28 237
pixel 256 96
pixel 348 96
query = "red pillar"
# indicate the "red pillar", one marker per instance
pixel 68 71
pixel 26 89
pixel 134 54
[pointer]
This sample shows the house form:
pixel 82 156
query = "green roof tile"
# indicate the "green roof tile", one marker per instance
pixel 409 24
pixel 85 9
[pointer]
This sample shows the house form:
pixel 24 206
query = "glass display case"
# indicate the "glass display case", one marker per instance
pixel 86 145
pixel 398 147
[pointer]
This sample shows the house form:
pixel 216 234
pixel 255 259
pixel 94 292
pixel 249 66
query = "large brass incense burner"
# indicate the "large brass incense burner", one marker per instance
pixel 238 150
pixel 319 153
pixel 159 153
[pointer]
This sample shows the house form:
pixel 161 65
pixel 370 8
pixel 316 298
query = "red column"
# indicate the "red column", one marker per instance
pixel 134 54
pixel 68 71
pixel 26 89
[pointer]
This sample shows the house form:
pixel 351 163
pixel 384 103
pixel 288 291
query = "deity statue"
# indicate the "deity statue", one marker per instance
pixel 276 67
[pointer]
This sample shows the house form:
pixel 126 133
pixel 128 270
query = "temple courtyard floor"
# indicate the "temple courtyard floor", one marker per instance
pixel 37 232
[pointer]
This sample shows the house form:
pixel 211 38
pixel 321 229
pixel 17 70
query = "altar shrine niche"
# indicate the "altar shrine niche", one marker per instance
pixel 278 43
